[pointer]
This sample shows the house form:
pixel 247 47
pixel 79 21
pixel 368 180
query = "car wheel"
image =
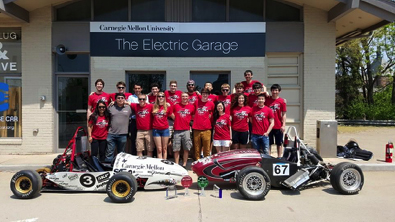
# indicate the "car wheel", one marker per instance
pixel 26 184
pixel 253 183
pixel 347 178
pixel 121 187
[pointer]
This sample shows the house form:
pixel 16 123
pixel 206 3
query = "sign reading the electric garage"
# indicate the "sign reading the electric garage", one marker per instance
pixel 241 39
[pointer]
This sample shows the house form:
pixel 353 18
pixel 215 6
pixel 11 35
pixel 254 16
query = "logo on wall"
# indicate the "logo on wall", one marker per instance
pixel 4 97
pixel 3 52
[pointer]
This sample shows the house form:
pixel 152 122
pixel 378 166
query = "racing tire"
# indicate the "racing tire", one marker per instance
pixel 347 178
pixel 26 184
pixel 121 187
pixel 253 183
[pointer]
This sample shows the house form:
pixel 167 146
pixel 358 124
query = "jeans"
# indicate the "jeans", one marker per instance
pixel 113 140
pixel 98 147
pixel 260 142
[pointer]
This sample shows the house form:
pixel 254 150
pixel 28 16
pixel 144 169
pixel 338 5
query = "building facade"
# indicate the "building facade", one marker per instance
pixel 46 91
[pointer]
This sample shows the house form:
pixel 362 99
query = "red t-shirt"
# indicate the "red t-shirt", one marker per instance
pixel 112 96
pixel 100 129
pixel 222 128
pixel 260 119
pixel 173 98
pixel 248 87
pixel 151 99
pixel 227 102
pixel 143 116
pixel 252 100
pixel 278 107
pixel 240 118
pixel 94 98
pixel 159 121
pixel 193 98
pixel 203 115
pixel 183 115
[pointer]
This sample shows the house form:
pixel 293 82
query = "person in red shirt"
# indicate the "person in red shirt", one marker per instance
pixel 182 115
pixel 144 138
pixel 239 113
pixel 248 84
pixel 202 125
pixel 98 124
pixel 173 96
pixel 154 93
pixel 121 87
pixel 279 108
pixel 95 97
pixel 212 97
pixel 239 88
pixel 253 97
pixel 193 95
pixel 225 97
pixel 262 120
pixel 160 125
pixel 221 128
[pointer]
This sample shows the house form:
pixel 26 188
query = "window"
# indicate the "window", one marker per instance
pixel 146 79
pixel 76 11
pixel 216 78
pixel 105 10
pixel 148 10
pixel 281 12
pixel 208 10
pixel 72 63
pixel 10 107
pixel 245 11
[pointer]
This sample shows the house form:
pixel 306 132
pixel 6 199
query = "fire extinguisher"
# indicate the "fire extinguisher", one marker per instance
pixel 389 149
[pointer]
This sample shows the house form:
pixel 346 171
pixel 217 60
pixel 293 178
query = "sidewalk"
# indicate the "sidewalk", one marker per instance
pixel 15 163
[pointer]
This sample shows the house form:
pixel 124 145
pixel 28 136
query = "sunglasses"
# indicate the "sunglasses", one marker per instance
pixel 120 98
pixel 141 99
pixel 161 96
pixel 121 87
pixel 190 85
pixel 225 90
pixel 102 107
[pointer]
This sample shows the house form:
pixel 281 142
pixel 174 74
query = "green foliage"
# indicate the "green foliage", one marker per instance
pixel 382 109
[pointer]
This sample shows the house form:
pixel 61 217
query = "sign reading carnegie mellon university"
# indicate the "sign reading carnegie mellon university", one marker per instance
pixel 241 39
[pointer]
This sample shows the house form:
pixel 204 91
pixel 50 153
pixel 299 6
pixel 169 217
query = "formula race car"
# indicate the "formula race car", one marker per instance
pixel 300 166
pixel 77 170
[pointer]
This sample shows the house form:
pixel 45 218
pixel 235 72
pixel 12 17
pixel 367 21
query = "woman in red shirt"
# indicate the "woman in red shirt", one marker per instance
pixel 160 125
pixel 98 125
pixel 221 128
pixel 239 113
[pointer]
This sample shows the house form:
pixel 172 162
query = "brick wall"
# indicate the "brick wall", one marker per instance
pixel 319 71
pixel 36 81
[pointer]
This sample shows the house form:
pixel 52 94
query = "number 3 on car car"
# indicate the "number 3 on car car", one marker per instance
pixel 280 169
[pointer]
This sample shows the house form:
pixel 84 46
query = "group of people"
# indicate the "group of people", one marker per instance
pixel 224 121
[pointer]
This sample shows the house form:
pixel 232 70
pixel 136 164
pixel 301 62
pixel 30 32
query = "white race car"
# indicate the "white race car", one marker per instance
pixel 76 170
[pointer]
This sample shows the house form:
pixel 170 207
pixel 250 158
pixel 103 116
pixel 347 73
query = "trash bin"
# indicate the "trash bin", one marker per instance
pixel 327 138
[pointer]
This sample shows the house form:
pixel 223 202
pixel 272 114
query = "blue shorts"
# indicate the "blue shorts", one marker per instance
pixel 161 133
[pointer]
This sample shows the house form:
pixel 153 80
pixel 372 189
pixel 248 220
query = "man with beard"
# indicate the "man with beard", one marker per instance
pixel 193 95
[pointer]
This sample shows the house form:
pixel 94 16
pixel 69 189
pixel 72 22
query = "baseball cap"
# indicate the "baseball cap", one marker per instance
pixel 191 82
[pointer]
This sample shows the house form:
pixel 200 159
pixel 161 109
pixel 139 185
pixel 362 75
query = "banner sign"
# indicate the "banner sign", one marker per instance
pixel 126 39
pixel 10 50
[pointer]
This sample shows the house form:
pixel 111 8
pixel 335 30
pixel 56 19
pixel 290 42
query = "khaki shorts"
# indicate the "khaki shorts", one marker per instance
pixel 144 139
pixel 182 137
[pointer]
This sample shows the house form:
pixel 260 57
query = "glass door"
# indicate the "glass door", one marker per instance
pixel 72 95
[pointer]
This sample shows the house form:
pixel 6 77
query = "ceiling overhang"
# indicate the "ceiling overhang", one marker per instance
pixel 9 8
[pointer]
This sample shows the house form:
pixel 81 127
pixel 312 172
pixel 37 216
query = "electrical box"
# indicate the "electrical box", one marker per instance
pixel 327 138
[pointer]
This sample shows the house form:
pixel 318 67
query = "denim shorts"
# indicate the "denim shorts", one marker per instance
pixel 161 133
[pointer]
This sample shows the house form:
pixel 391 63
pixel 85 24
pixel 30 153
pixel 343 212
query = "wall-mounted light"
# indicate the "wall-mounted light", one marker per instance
pixel 43 98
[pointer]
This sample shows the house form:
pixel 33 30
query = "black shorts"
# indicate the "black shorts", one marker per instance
pixel 239 137
pixel 277 135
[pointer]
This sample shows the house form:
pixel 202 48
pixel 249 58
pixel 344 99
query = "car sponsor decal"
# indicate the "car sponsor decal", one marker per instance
pixel 103 177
